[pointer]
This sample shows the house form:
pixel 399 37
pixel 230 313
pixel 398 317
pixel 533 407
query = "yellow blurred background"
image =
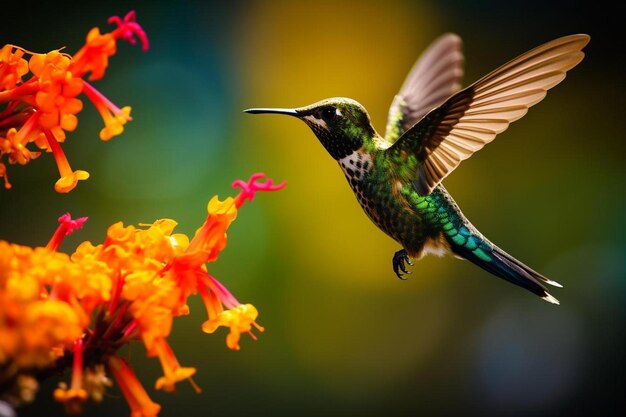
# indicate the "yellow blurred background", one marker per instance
pixel 344 335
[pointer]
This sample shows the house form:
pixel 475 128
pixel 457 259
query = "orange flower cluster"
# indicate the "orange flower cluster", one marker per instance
pixel 59 311
pixel 40 109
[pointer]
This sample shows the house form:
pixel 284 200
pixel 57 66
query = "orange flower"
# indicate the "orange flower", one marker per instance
pixel 114 118
pixel 94 56
pixel 41 109
pixel 81 309
pixel 55 99
pixel 14 146
pixel 69 178
pixel 172 370
pixel 140 403
pixel 12 67
pixel 209 240
pixel 3 175
pixel 74 397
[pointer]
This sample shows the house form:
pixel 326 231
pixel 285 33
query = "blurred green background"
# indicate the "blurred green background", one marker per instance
pixel 344 335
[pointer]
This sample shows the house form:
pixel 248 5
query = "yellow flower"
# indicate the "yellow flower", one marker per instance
pixel 46 324
pixel 32 324
pixel 239 319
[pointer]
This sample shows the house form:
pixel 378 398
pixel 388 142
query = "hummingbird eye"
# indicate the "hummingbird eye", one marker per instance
pixel 330 113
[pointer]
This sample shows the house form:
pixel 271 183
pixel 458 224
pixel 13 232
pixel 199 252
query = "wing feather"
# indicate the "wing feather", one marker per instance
pixel 434 77
pixel 473 117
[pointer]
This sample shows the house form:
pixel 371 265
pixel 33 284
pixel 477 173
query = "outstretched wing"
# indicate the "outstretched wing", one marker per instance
pixel 435 77
pixel 474 116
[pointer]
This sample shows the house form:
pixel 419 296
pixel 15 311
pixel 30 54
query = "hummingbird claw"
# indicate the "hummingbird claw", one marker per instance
pixel 398 262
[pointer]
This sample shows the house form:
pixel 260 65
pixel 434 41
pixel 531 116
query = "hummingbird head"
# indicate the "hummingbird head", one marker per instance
pixel 341 124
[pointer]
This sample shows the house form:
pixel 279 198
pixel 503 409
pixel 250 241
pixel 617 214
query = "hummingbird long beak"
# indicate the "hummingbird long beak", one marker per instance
pixel 289 112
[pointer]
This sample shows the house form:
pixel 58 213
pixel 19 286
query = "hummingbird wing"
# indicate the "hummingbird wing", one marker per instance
pixel 435 76
pixel 473 117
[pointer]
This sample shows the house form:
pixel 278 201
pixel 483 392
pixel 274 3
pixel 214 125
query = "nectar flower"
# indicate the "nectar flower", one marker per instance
pixel 60 311
pixel 38 111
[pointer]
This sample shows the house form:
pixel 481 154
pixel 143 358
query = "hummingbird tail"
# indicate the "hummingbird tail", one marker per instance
pixel 493 259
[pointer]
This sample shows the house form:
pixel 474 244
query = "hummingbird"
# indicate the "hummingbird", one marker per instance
pixel 432 126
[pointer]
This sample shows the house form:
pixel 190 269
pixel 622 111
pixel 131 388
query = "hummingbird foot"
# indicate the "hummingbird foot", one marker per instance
pixel 399 259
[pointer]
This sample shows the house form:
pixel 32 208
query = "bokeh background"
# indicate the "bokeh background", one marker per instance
pixel 344 336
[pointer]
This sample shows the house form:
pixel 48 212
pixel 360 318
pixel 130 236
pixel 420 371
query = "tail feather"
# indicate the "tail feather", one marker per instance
pixel 493 259
pixel 465 241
